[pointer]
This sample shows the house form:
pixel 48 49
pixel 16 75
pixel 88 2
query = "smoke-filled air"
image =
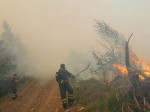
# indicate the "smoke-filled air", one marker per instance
pixel 52 47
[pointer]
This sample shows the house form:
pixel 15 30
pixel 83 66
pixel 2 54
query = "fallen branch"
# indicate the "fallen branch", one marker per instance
pixel 136 101
pixel 122 108
pixel 130 109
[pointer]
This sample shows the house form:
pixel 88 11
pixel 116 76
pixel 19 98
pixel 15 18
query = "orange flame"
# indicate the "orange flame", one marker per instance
pixel 141 77
pixel 138 60
pixel 143 62
pixel 145 65
pixel 123 69
pixel 146 70
pixel 147 73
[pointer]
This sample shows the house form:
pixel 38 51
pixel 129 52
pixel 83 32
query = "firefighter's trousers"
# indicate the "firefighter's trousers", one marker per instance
pixel 66 87
pixel 14 93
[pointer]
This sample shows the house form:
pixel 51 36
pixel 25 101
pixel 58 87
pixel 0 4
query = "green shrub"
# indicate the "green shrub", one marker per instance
pixel 113 104
pixel 97 96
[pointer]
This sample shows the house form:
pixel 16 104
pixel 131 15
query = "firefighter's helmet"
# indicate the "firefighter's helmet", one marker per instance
pixel 62 66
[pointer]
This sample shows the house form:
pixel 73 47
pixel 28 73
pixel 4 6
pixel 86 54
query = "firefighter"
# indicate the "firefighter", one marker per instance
pixel 62 78
pixel 15 79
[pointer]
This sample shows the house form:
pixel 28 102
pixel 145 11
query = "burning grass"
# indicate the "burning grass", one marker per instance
pixel 141 63
pixel 138 75
pixel 122 68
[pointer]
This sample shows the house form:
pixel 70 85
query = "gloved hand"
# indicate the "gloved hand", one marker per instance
pixel 62 81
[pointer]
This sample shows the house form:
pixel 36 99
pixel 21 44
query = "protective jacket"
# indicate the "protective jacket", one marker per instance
pixel 62 76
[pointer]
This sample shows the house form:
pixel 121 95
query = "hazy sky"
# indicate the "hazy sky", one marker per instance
pixel 51 28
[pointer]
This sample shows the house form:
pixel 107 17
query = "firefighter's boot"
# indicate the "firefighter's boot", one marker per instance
pixel 70 100
pixel 64 101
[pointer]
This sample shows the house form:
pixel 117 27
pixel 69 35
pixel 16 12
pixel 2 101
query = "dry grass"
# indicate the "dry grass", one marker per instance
pixel 96 96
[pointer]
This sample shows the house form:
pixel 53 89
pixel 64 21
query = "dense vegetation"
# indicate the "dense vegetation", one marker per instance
pixel 113 85
pixel 96 96
pixel 13 58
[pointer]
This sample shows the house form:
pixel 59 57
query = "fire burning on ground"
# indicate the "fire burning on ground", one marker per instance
pixel 123 69
pixel 136 84
pixel 144 63
pixel 141 77
pixel 141 61
pixel 146 70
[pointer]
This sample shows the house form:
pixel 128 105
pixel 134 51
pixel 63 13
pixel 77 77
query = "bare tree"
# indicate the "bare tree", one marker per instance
pixel 112 45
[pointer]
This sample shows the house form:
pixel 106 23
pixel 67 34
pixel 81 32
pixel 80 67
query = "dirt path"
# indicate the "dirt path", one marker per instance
pixel 34 96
